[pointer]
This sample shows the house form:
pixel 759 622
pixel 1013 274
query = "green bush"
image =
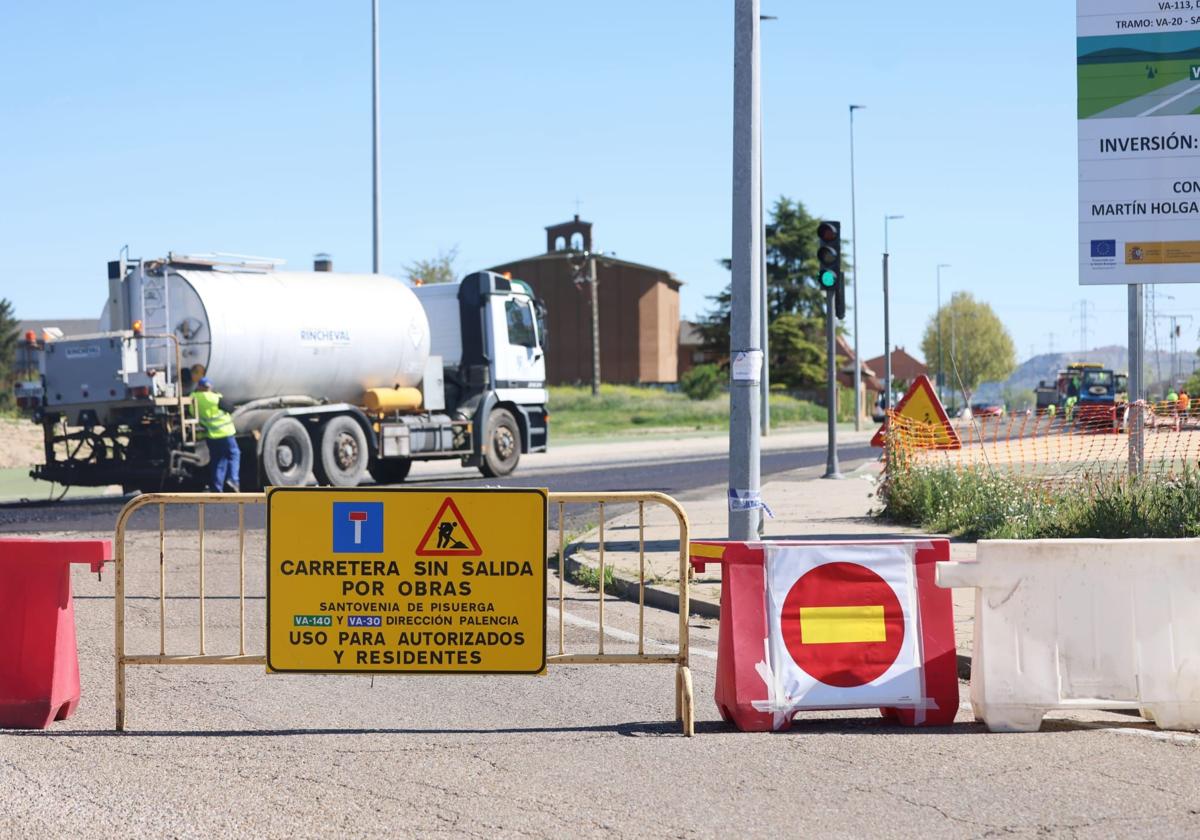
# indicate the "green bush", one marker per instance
pixel 978 504
pixel 702 382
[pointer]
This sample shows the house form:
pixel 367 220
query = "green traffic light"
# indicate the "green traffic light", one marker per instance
pixel 828 279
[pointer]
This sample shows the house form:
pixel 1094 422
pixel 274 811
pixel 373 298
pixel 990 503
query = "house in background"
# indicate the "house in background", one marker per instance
pixel 691 348
pixel 905 368
pixel 639 312
pixel 869 376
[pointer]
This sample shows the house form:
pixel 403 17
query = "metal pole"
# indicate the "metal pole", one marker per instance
pixel 941 376
pixel 887 334
pixel 1137 387
pixel 765 384
pixel 831 459
pixel 887 341
pixel 375 136
pixel 595 289
pixel 854 286
pixel 745 353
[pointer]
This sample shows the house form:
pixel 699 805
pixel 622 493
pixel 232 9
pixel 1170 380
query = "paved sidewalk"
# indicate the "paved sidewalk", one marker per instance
pixel 804 506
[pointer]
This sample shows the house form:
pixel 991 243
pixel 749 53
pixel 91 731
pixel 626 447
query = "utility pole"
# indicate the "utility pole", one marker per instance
pixel 375 136
pixel 1137 383
pixel 854 267
pixel 1084 306
pixel 584 265
pixel 745 350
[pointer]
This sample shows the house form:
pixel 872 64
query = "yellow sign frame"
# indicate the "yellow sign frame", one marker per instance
pixel 383 576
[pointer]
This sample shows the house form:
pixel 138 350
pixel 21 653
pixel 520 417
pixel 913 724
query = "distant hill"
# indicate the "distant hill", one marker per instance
pixel 1045 367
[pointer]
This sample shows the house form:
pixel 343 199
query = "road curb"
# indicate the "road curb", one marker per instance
pixel 627 589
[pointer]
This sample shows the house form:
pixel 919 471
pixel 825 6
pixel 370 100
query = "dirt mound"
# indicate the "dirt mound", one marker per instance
pixel 20 444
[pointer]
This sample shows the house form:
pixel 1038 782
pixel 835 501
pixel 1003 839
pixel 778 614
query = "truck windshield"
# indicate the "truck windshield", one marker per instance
pixel 520 323
pixel 1098 377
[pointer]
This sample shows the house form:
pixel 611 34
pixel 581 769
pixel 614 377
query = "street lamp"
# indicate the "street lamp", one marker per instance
pixel 375 136
pixel 941 376
pixel 887 331
pixel 854 266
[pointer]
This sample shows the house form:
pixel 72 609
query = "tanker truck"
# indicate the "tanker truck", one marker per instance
pixel 336 375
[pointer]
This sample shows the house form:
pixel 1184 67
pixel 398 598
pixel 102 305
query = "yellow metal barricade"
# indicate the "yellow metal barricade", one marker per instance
pixel 684 702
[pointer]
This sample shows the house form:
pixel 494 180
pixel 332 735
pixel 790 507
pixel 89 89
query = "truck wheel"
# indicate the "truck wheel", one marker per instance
pixel 342 453
pixel 503 442
pixel 391 470
pixel 287 454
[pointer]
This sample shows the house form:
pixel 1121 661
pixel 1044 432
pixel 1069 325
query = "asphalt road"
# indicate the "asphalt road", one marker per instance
pixel 584 751
pixel 674 471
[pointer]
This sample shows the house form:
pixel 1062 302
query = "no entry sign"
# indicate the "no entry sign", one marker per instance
pixel 842 623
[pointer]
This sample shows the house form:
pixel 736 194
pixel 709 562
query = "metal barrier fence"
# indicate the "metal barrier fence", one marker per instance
pixel 684 701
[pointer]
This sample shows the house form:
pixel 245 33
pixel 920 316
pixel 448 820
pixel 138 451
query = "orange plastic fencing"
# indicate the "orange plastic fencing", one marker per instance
pixel 1056 446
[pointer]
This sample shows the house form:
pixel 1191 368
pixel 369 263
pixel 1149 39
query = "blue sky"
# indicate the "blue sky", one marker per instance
pixel 245 127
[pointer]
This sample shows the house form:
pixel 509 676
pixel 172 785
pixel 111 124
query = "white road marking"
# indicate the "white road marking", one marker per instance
pixel 621 635
pixel 1154 734
pixel 1164 104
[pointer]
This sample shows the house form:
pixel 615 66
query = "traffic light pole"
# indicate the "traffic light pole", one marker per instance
pixel 831 460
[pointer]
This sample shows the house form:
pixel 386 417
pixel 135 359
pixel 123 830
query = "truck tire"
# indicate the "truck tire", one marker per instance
pixel 391 470
pixel 287 453
pixel 342 453
pixel 503 442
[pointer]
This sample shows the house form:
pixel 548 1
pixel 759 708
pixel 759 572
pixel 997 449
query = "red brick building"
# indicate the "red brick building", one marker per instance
pixel 639 312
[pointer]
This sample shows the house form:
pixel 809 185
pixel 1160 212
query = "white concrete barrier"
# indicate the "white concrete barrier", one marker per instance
pixel 1083 624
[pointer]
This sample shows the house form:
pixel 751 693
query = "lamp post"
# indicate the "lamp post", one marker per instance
pixel 941 376
pixel 375 136
pixel 887 331
pixel 745 350
pixel 854 286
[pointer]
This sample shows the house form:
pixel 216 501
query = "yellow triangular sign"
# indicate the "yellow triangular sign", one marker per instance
pixel 448 535
pixel 921 405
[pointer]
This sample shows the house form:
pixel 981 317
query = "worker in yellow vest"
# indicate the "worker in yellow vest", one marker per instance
pixel 224 457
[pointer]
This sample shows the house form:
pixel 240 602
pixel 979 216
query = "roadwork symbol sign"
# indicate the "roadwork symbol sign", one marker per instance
pixel 397 581
pixel 448 535
pixel 922 406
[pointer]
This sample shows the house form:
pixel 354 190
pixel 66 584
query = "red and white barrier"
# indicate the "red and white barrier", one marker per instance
pixel 818 625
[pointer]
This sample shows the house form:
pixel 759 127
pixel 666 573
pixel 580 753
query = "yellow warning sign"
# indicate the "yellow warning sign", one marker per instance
pixel 921 405
pixel 406 580
pixel 448 535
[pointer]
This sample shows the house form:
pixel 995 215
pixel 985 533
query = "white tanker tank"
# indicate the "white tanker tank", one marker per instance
pixel 276 333
pixel 319 370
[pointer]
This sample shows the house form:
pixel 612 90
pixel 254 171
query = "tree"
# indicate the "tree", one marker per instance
pixel 975 344
pixel 440 269
pixel 9 334
pixel 795 304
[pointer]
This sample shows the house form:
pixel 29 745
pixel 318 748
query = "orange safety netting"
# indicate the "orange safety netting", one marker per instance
pixel 1085 441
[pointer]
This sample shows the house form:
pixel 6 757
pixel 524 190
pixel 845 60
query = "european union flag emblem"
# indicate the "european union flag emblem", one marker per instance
pixel 1104 248
pixel 357 527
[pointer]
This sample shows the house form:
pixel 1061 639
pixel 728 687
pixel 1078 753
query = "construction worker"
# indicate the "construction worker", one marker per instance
pixel 224 457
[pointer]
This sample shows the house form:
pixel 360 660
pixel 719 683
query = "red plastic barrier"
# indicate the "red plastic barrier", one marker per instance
pixel 743 695
pixel 39 663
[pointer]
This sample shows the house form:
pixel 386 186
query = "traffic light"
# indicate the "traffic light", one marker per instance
pixel 829 264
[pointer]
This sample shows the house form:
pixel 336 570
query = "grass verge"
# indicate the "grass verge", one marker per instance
pixel 575 412
pixel 976 504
